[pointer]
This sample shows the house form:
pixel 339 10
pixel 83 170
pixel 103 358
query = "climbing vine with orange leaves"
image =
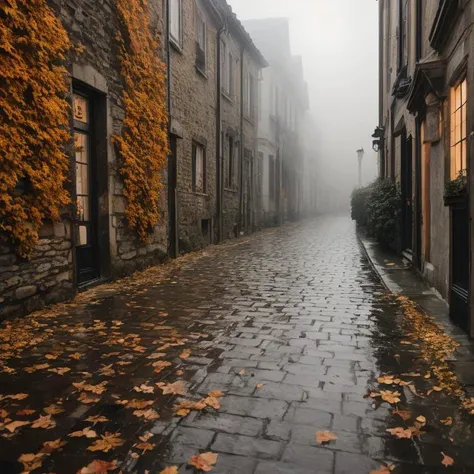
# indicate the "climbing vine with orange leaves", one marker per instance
pixel 34 120
pixel 143 144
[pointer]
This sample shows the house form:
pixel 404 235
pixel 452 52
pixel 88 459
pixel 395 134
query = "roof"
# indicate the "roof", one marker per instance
pixel 232 20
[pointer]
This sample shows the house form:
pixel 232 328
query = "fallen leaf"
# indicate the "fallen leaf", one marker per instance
pixel 25 412
pixel 4 413
pixel 389 396
pixel 87 399
pixel 147 436
pixel 18 396
pixel 260 385
pixel 448 421
pixel 51 356
pixel 97 419
pixel 107 442
pixel 437 389
pixel 400 432
pixel 11 427
pixel 145 446
pixel 31 461
pixel 170 470
pixel 176 388
pixel 137 404
pixel 143 388
pixel 325 437
pixel 185 354
pixel 242 372
pixel 76 356
pixel 212 402
pixel 156 355
pixel 98 467
pixel 50 446
pixel 179 372
pixel 447 460
pixel 44 422
pixel 60 370
pixel 384 469
pixel 149 414
pixel 97 389
pixel 160 365
pixel 183 412
pixel 88 432
pixel 53 410
pixel 204 462
pixel 421 419
pixel 403 414
pixel 216 394
pixel 412 389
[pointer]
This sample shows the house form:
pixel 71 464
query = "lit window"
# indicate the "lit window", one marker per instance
pixel 176 21
pixel 199 169
pixel 458 155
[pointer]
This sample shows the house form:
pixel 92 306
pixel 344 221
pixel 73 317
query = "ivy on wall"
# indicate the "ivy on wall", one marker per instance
pixel 34 120
pixel 143 144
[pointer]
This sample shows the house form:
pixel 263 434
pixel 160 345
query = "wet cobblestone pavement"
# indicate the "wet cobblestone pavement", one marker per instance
pixel 291 325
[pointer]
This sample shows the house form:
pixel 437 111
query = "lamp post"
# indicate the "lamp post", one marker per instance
pixel 360 157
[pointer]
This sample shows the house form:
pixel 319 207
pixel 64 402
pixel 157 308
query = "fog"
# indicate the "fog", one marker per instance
pixel 339 45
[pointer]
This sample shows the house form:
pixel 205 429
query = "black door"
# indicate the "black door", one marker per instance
pixel 460 265
pixel 407 191
pixel 86 224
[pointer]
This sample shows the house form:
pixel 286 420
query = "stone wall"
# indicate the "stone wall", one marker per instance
pixel 49 275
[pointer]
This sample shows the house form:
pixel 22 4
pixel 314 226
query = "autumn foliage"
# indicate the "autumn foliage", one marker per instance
pixel 34 119
pixel 143 144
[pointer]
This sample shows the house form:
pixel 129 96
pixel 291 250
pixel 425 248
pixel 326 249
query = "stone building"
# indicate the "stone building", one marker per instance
pixel 214 68
pixel 92 242
pixel 283 102
pixel 424 136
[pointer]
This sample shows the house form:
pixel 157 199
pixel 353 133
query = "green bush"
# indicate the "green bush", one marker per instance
pixel 377 208
pixel 457 186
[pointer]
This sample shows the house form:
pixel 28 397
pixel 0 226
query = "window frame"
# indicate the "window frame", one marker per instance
pixel 200 18
pixel 460 142
pixel 195 147
pixel 176 41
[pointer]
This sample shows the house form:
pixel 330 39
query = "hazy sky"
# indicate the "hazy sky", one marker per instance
pixel 339 45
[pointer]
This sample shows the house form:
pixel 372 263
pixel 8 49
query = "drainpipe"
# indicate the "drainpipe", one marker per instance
pixel 172 164
pixel 241 148
pixel 219 158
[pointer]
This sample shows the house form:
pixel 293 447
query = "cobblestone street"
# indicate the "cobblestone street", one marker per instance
pixel 292 325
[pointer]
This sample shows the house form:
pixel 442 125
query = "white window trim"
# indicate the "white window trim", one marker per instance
pixel 177 41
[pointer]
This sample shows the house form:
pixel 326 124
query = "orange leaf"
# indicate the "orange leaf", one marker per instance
pixel 176 388
pixel 145 446
pixel 98 467
pixel 50 446
pixel 149 414
pixel 88 432
pixel 44 422
pixel 389 396
pixel 212 402
pixel 384 469
pixel 448 421
pixel 137 404
pixel 97 419
pixel 400 432
pixel 403 414
pixel 53 410
pixel 170 470
pixel 204 462
pixel 216 393
pixel 11 427
pixel 107 442
pixel 323 437
pixel 447 460
pixel 185 354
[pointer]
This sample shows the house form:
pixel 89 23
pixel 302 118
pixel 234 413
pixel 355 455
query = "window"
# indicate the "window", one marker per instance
pixel 227 73
pixel 201 41
pixel 402 34
pixel 458 129
pixel 176 21
pixel 199 168
pixel 249 106
pixel 230 175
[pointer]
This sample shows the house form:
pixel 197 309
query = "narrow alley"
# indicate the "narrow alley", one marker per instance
pixel 265 351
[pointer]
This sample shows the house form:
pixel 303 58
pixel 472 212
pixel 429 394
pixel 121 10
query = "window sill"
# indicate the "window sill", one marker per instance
pixel 231 190
pixel 176 46
pixel 197 193
pixel 201 72
pixel 249 119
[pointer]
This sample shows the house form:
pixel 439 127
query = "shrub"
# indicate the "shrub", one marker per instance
pixel 377 207
pixel 457 186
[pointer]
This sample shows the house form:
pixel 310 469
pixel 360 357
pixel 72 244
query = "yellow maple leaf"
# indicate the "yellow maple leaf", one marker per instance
pixel 170 470
pixel 176 388
pixel 447 460
pixel 400 432
pixel 107 442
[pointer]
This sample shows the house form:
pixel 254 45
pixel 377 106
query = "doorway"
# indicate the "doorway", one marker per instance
pixel 86 222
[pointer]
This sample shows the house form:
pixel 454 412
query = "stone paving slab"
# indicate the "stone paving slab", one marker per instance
pixel 292 325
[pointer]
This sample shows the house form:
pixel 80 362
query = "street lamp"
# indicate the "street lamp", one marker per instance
pixel 360 157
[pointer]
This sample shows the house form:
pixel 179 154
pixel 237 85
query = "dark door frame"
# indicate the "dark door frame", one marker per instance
pixel 99 184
